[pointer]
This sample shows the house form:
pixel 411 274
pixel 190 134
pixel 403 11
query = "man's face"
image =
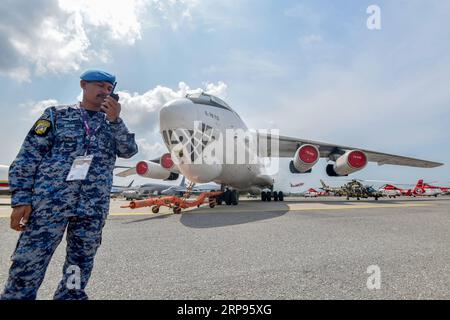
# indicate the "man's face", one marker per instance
pixel 95 92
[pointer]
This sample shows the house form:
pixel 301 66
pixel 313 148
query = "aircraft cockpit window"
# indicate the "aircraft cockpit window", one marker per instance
pixel 203 98
pixel 219 101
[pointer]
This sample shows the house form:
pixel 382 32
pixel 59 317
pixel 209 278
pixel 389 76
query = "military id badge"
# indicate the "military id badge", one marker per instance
pixel 80 168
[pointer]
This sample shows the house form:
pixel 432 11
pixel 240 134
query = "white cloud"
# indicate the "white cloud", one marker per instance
pixel 19 74
pixel 59 36
pixel 34 109
pixel 141 110
pixel 120 20
pixel 175 12
pixel 149 150
pixel 57 47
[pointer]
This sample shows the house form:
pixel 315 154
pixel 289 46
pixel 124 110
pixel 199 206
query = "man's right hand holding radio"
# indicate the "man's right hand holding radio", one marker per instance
pixel 112 109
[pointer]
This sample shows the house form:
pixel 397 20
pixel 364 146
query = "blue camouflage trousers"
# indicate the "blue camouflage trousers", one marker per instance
pixel 36 246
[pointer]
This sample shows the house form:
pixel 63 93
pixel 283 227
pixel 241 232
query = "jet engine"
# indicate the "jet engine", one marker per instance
pixel 154 170
pixel 305 158
pixel 349 162
pixel 167 162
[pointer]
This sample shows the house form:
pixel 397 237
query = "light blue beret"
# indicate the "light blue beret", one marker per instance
pixel 98 75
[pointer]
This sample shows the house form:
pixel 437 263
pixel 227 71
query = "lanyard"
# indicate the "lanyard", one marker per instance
pixel 89 131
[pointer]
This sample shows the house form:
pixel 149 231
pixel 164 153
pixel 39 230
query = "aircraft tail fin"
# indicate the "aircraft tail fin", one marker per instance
pixel 419 184
pixel 323 184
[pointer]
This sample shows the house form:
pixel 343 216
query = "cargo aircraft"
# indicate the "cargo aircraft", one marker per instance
pixel 193 128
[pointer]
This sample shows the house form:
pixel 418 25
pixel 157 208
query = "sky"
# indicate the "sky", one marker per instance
pixel 311 69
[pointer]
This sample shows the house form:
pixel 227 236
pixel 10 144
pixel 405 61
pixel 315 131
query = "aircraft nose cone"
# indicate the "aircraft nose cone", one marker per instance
pixel 178 114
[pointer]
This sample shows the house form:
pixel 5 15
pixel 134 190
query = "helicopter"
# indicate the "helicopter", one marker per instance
pixel 355 189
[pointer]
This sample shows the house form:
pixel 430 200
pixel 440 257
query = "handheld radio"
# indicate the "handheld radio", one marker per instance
pixel 113 95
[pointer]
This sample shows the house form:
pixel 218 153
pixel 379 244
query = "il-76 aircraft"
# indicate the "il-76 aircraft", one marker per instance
pixel 179 119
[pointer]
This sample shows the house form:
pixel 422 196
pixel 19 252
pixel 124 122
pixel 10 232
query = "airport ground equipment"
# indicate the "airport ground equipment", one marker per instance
pixel 176 203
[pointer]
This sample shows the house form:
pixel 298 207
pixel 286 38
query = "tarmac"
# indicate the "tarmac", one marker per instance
pixel 320 248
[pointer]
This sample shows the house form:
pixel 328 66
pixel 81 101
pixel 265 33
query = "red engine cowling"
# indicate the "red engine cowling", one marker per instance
pixel 153 170
pixel 349 162
pixel 306 157
pixel 167 162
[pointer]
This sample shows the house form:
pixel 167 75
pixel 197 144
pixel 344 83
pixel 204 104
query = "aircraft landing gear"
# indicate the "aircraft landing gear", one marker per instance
pixel 267 196
pixel 230 197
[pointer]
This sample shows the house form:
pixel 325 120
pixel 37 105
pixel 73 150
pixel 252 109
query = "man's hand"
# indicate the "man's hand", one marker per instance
pixel 112 109
pixel 20 217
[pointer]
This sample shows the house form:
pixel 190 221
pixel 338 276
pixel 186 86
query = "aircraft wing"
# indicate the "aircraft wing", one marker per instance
pixel 288 146
pixel 129 172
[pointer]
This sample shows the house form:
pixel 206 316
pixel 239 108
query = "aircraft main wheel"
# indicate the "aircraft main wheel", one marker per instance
pixel 263 196
pixel 275 196
pixel 176 210
pixel 358 198
pixel 227 197
pixel 268 196
pixel 280 196
pixel 155 209
pixel 234 197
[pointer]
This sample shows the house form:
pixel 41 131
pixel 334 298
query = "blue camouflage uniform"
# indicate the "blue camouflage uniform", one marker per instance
pixel 38 177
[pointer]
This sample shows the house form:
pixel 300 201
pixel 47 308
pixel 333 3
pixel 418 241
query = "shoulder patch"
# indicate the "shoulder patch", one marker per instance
pixel 41 128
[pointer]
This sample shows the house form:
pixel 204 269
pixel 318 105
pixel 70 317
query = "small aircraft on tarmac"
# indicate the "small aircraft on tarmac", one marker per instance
pixel 313 193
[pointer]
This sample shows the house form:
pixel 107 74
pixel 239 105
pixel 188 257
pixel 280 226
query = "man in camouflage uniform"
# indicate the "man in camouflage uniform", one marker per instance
pixel 46 202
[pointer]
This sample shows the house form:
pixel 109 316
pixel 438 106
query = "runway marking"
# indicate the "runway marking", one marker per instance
pixel 290 207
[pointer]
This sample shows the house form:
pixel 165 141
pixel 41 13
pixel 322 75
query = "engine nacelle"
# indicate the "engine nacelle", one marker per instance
pixel 349 162
pixel 167 163
pixel 153 170
pixel 305 158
